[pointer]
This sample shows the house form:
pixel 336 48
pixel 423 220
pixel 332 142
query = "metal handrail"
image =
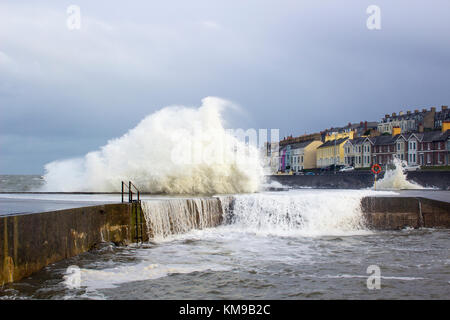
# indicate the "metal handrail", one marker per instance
pixel 130 187
pixel 138 226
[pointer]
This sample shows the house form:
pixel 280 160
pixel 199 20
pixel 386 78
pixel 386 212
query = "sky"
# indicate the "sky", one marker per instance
pixel 297 66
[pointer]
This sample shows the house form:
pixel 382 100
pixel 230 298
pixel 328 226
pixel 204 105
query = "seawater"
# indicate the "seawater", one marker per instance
pixel 302 244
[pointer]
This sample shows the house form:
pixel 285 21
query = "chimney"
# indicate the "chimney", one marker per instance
pixel 408 112
pixel 365 125
pixel 393 114
pixel 445 125
pixel 433 109
pixel 361 124
pixel 396 131
pixel 374 133
pixel 424 110
pixel 416 111
pixel 420 127
pixel 386 116
pixel 444 108
pixel 349 124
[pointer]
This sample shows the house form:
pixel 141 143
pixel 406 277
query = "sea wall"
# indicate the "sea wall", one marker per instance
pixel 393 213
pixel 30 242
pixel 361 179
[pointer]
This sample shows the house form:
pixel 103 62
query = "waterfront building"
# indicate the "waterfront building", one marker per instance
pixel 298 153
pixel 409 121
pixel 413 145
pixel 359 129
pixel 299 156
pixel 433 147
pixel 440 117
pixel 386 147
pixel 332 150
pixel 358 152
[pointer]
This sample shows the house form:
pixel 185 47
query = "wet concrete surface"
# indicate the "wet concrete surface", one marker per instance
pixel 439 195
pixel 34 203
pixel 23 204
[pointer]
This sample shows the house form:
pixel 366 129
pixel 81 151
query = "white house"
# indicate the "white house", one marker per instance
pixel 357 152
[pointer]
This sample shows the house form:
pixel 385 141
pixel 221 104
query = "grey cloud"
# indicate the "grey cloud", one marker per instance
pixel 294 65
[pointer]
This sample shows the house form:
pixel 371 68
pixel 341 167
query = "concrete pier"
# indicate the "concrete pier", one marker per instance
pixel 393 213
pixel 30 242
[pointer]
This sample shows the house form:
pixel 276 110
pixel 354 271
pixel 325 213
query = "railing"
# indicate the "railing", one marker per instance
pixel 130 187
pixel 136 208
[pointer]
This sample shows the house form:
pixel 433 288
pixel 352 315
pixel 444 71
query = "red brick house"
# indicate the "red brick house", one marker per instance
pixel 432 148
pixel 386 147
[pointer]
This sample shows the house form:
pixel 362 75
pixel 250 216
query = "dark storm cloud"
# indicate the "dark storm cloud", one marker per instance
pixel 300 66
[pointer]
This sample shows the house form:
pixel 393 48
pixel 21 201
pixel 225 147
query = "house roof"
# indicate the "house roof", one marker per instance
pixel 431 136
pixel 332 143
pixel 406 116
pixel 418 135
pixel 383 140
pixel 442 115
pixel 428 136
pixel 357 141
pixel 298 145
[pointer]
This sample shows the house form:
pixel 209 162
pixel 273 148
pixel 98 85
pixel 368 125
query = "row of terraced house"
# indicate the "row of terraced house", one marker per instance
pixel 426 149
pixel 418 137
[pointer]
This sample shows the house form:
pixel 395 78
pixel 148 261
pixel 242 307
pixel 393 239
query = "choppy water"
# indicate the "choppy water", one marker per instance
pixel 227 263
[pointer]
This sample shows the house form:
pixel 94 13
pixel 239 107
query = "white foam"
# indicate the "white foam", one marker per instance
pixel 395 179
pixel 93 279
pixel 300 212
pixel 176 150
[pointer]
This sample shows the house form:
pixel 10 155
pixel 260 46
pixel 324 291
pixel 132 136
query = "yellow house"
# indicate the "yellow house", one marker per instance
pixel 302 155
pixel 332 151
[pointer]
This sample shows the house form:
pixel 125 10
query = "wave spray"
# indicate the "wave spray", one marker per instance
pixel 395 179
pixel 176 150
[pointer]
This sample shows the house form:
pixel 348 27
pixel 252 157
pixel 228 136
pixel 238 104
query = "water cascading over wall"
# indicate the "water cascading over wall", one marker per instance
pixel 290 213
pixel 175 216
pixel 295 213
pixel 302 213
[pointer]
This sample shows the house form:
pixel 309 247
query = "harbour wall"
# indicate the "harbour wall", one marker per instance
pixel 393 213
pixel 29 242
pixel 361 179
